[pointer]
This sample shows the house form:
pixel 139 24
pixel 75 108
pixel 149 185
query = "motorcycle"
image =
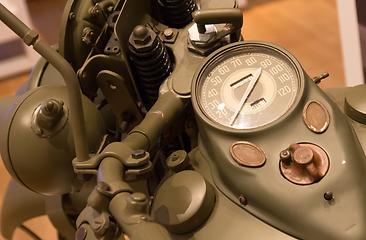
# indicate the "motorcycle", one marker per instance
pixel 156 120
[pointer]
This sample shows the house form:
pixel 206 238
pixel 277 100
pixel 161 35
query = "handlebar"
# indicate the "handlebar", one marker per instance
pixel 146 230
pixel 30 37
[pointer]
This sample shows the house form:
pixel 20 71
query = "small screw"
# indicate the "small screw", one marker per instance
pixel 49 106
pixel 88 34
pixel 110 9
pixel 38 132
pixel 137 154
pixel 328 195
pixel 175 157
pixel 243 200
pixel 72 16
pixel 103 187
pixel 318 79
pixel 168 33
pixel 96 10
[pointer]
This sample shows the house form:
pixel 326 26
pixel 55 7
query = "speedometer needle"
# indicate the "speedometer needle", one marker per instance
pixel 246 95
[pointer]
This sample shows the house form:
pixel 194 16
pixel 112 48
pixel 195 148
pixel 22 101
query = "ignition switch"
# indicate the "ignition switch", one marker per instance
pixel 304 163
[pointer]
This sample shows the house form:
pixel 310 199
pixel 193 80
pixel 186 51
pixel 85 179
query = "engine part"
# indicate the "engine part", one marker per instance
pixel 177 13
pixel 151 62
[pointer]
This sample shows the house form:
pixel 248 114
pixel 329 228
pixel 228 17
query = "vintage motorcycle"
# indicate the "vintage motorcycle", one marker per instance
pixel 155 120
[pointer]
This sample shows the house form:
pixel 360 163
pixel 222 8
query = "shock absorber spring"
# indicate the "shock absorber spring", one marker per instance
pixel 177 13
pixel 151 62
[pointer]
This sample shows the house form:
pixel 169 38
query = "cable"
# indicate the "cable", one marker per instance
pixel 29 232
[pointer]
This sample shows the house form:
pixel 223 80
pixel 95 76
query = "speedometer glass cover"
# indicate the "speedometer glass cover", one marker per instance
pixel 247 85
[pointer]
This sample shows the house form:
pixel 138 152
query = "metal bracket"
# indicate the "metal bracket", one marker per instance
pixel 137 163
pixel 113 46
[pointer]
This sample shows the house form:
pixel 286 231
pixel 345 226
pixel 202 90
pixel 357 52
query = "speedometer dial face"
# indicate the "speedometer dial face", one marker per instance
pixel 247 86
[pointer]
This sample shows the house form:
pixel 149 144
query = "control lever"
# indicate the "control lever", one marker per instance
pixel 203 35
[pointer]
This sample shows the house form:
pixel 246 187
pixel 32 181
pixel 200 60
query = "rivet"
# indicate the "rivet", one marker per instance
pixel 328 195
pixel 72 15
pixel 243 200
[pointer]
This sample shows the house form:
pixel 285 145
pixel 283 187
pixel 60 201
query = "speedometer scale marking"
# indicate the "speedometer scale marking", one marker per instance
pixel 224 79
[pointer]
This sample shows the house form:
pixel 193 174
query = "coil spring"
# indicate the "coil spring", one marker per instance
pixel 177 13
pixel 152 65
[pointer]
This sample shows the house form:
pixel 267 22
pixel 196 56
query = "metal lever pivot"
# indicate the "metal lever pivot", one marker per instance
pixel 203 35
pixel 233 17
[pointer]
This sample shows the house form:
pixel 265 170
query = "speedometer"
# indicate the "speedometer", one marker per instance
pixel 247 85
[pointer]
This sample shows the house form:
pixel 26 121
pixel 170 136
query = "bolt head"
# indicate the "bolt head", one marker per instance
pixel 140 32
pixel 202 39
pixel 142 37
pixel 138 154
pixel 49 106
pixel 72 15
pixel 168 33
